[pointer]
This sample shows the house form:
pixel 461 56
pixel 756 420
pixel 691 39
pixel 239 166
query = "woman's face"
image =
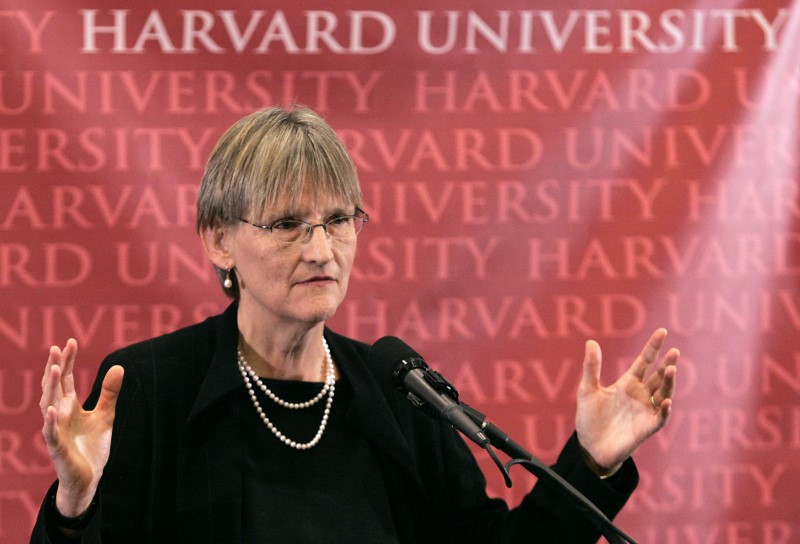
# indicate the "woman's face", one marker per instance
pixel 301 282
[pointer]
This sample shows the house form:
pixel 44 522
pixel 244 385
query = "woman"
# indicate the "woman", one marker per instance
pixel 262 425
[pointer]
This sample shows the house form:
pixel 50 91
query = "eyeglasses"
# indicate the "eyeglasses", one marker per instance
pixel 339 227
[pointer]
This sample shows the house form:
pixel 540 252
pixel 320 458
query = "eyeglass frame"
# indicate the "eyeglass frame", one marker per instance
pixel 359 214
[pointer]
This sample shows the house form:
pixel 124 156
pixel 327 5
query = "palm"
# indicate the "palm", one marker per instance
pixel 83 440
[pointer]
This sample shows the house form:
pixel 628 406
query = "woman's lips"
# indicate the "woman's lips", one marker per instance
pixel 317 280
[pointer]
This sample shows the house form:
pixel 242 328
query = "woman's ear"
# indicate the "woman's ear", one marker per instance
pixel 217 242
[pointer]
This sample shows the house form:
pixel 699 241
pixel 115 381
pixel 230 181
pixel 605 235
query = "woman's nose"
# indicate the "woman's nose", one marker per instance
pixel 317 247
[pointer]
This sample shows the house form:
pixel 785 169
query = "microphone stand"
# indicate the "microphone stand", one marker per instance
pixel 519 456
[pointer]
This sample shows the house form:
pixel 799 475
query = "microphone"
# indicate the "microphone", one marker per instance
pixel 424 387
pixel 429 391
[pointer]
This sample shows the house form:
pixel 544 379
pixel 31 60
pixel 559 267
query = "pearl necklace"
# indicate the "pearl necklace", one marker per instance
pixel 249 374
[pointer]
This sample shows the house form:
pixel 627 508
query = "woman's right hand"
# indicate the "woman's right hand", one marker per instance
pixel 78 441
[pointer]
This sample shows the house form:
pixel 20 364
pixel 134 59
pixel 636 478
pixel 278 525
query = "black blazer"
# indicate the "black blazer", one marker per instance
pixel 174 473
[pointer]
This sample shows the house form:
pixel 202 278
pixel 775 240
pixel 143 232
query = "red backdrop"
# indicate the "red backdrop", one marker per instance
pixel 536 176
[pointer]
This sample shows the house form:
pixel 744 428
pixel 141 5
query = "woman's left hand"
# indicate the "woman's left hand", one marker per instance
pixel 613 421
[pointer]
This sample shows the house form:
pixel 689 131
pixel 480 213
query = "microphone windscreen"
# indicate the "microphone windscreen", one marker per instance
pixel 386 357
pixel 390 350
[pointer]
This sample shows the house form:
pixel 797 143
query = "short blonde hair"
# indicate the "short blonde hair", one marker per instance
pixel 268 156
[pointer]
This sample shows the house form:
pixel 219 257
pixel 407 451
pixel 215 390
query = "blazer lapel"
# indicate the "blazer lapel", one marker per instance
pixel 373 416
pixel 210 453
pixel 370 412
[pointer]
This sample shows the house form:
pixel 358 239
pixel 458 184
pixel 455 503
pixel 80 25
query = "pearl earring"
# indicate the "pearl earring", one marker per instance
pixel 228 283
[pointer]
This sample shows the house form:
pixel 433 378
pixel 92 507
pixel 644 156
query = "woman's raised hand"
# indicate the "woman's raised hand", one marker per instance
pixel 613 421
pixel 78 441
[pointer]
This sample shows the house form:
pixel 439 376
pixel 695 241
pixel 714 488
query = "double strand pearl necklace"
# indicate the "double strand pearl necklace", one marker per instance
pixel 249 374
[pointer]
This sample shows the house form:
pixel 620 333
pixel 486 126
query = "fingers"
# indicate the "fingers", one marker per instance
pixel 112 383
pixel 51 385
pixel 50 429
pixel 57 380
pixel 53 359
pixel 663 383
pixel 649 353
pixel 662 414
pixel 68 364
pixel 664 411
pixel 592 365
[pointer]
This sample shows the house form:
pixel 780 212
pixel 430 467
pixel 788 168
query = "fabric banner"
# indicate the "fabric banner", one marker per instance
pixel 535 176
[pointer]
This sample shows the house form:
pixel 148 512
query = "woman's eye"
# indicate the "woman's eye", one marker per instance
pixel 339 220
pixel 287 224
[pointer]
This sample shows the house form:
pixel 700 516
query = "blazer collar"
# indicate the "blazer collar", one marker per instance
pixel 222 376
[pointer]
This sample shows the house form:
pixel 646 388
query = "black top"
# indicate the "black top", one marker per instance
pixel 331 493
